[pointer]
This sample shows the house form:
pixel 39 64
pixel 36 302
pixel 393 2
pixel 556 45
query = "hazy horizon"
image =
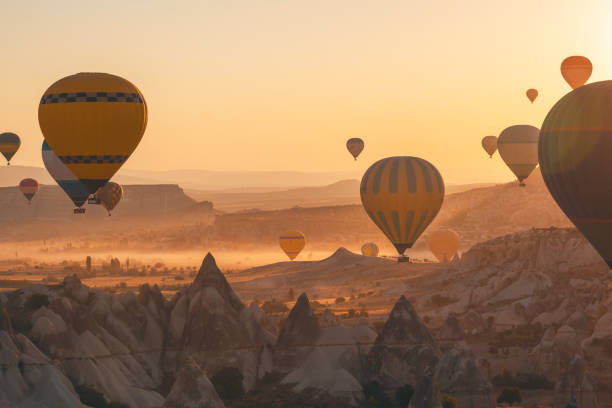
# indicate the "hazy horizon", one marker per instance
pixel 281 86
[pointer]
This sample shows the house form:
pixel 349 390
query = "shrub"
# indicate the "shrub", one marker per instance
pixel 94 399
pixel 36 301
pixel 510 395
pixel 449 401
pixel 403 395
pixel 339 300
pixel 228 383
pixel 438 300
pixel 273 306
pixel 375 395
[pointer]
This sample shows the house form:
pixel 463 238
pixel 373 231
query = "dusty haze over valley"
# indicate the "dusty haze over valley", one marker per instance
pixel 306 204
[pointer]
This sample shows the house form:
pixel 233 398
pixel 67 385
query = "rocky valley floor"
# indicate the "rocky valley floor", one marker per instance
pixel 530 309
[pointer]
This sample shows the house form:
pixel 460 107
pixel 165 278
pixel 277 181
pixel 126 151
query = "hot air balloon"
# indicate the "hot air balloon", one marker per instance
pixel 71 185
pixel 93 122
pixel 489 143
pixel 443 244
pixel 518 147
pixel 29 187
pixel 402 195
pixel 109 196
pixel 9 144
pixel 532 94
pixel 574 150
pixel 369 249
pixel 292 242
pixel 355 146
pixel 576 70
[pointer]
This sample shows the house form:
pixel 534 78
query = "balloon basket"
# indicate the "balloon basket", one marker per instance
pixel 403 258
pixel 79 211
pixel 521 184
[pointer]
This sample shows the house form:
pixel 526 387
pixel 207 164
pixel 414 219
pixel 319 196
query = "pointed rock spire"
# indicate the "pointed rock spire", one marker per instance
pixel 301 327
pixel 404 326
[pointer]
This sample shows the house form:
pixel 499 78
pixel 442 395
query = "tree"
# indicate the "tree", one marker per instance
pixel 339 300
pixel 228 383
pixel 375 395
pixel 88 263
pixel 449 401
pixel 403 395
pixel 510 395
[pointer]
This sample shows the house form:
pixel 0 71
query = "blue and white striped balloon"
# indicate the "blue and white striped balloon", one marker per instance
pixel 77 192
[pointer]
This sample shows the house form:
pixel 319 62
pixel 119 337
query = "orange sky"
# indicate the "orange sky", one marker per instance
pixel 281 84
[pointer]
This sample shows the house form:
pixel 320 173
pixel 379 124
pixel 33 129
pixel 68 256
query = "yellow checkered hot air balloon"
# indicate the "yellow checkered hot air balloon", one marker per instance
pixel 402 195
pixel 110 195
pixel 292 242
pixel 93 122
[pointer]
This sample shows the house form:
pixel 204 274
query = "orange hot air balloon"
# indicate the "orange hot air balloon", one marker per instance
pixel 292 242
pixel 355 146
pixel 574 153
pixel 369 249
pixel 576 70
pixel 29 187
pixel 109 196
pixel 532 94
pixel 489 143
pixel 443 244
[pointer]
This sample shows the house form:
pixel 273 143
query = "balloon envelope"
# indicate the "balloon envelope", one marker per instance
pixel 489 143
pixel 93 122
pixel 532 94
pixel 292 242
pixel 28 187
pixel 402 195
pixel 369 249
pixel 443 244
pixel 576 70
pixel 9 144
pixel 518 147
pixel 355 146
pixel 63 176
pixel 110 195
pixel 574 149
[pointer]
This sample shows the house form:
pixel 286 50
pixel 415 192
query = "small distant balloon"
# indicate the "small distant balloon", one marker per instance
pixel 9 144
pixel 292 243
pixel 518 147
pixel 355 146
pixel 489 144
pixel 402 195
pixel 369 249
pixel 28 187
pixel 532 94
pixel 576 70
pixel 110 195
pixel 443 244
